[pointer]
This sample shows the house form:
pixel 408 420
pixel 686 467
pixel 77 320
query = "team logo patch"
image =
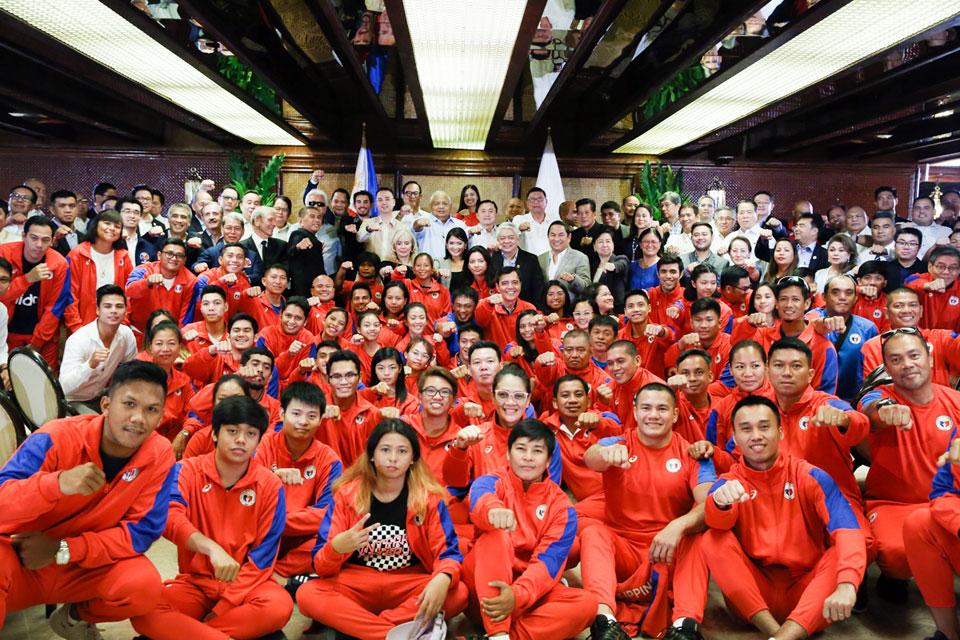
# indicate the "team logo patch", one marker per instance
pixel 944 423
pixel 804 423
pixel 309 472
pixel 447 446
pixel 650 339
pixel 632 459
pixel 178 288
pixel 872 517
pixel 488 449
pixel 435 294
pixel 206 488
pixel 144 257
pixel 673 465
pixel 236 295
pixel 855 338
pixel 418 519
pixel 789 492
pixel 177 392
pixel 753 494
pixel 541 512
pixel 569 326
pixel 717 359
pixel 877 313
pixel 954 301
pixel 359 419
pixel 130 475
pixel 248 498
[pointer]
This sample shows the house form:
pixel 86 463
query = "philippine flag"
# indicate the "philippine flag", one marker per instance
pixel 365 176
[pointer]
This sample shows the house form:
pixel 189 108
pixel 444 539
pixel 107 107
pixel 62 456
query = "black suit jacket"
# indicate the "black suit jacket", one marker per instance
pixel 304 264
pixel 531 276
pixel 576 242
pixel 817 261
pixel 275 251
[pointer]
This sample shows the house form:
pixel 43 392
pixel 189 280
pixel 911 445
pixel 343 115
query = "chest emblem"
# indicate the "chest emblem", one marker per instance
pixel 650 339
pixel 248 498
pixel 178 288
pixel 855 338
pixel 789 492
pixel 954 301
pixel 309 472
pixel 541 512
pixel 944 423
pixel 872 517
pixel 435 295
pixel 359 419
pixel 632 459
pixel 877 313
pixel 804 423
pixel 130 475
pixel 206 488
pixel 488 449
pixel 753 494
pixel 236 295
pixel 673 465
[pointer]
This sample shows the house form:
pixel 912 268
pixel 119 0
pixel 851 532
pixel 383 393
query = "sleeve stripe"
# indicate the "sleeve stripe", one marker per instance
pixel 706 471
pixel 28 458
pixel 841 513
pixel 146 531
pixel 452 549
pixel 481 487
pixel 326 496
pixel 555 556
pixel 716 485
pixel 265 553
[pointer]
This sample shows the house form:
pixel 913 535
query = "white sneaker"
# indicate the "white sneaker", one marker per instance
pixel 66 627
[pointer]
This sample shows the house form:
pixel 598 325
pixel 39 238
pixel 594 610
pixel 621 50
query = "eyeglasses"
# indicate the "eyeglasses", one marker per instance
pixel 173 255
pixel 949 268
pixel 433 392
pixel 506 396
pixel 20 196
pixel 344 377
pixel 907 243
pixel 907 331
pixel 411 194
pixel 316 203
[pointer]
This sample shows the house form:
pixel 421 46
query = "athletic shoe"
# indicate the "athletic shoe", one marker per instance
pixel 603 628
pixel 295 582
pixel 892 589
pixel 65 627
pixel 688 630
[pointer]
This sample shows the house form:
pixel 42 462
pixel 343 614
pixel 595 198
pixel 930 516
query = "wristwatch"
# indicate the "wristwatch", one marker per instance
pixel 63 553
pixel 885 402
pixel 184 433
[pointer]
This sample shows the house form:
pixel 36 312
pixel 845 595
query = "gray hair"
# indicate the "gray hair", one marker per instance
pixel 319 192
pixel 233 216
pixel 259 212
pixel 671 196
pixel 507 226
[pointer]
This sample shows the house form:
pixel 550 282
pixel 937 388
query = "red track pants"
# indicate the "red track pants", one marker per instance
pixel 562 612
pixel 886 521
pixel 49 351
pixel 934 558
pixel 367 604
pixel 118 591
pixel 617 569
pixel 749 588
pixel 187 600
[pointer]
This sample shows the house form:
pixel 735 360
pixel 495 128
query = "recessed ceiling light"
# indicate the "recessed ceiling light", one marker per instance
pixel 96 31
pixel 941 136
pixel 946 113
pixel 17 114
pixel 884 136
pixel 462 52
pixel 855 32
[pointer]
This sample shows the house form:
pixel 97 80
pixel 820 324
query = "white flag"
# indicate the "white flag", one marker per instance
pixel 548 178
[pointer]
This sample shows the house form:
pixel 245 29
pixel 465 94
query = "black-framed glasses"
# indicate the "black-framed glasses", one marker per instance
pixel 411 194
pixel 173 255
pixel 906 331
pixel 316 203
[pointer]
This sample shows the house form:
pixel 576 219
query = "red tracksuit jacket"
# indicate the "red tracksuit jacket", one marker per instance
pixel 546 528
pixel 204 368
pixel 904 462
pixel 319 467
pixel 433 450
pixel 651 349
pixel 660 301
pixel 691 421
pixel 430 534
pixel 247 520
pixel 278 342
pixel 943 344
pixel 874 311
pixel 594 376
pixel 347 435
pixel 623 396
pixel 825 363
pixel 120 521
pixel 203 341
pixel 55 294
pixel 941 310
pixel 499 324
pixel 668 473
pixel 794 509
pixel 581 481
pixel 142 299
pixel 719 354
pixel 83 283
pixel 236 292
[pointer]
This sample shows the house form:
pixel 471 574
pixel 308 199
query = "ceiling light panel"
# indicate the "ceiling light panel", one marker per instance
pixel 853 33
pixel 462 50
pixel 94 30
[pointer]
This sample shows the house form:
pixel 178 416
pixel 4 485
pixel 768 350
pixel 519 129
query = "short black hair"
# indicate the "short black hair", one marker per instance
pixel 484 344
pixel 6 266
pixel 791 344
pixel 732 276
pixel 101 188
pixel 140 187
pixel 755 401
pixel 559 223
pixel 535 189
pixel 33 194
pixel 881 189
pixel 240 410
pixel 362 192
pixel 587 201
pixel 534 430
pixel 695 353
pixel 570 377
pixel 667 260
pixel 175 242
pixel 604 321
pixel 306 392
pixel 297 301
pixel 705 304
pixel 237 317
pixel 38 221
pixel 470 327
pixel 231 377
pixel 105 290
pixel 127 200
pixel 138 371
pixel 701 224
pixel 610 204
pixel 216 290
pixel 163 325
pixel 512 369
pixel 506 271
pixel 64 193
pixel 256 351
pixel 909 231
pixel 467 292
pixel 343 356
pixel 658 387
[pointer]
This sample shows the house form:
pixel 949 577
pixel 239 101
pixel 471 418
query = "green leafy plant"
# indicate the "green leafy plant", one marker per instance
pixel 681 84
pixel 234 70
pixel 241 172
pixel 657 179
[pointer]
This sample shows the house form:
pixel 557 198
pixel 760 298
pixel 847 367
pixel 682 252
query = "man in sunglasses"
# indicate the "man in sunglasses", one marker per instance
pixel 911 420
pixel 939 289
pixel 904 310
